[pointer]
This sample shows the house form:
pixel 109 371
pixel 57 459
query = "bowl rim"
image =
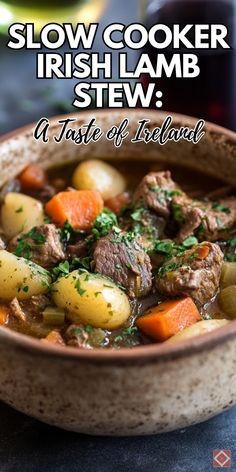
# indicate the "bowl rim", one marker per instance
pixel 150 352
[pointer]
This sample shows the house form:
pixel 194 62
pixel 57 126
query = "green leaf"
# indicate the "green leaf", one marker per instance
pixel 219 207
pixel 232 241
pixel 190 241
pixel 104 223
pixel 177 213
pixel 79 289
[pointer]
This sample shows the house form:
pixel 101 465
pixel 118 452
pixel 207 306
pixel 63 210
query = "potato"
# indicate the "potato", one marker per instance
pixel 91 299
pixel 98 175
pixel 201 327
pixel 228 274
pixel 21 278
pixel 20 213
pixel 227 300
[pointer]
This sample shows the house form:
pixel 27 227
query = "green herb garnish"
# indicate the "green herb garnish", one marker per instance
pixel 219 207
pixel 232 241
pixel 177 213
pixel 19 210
pixel 79 289
pixel 104 223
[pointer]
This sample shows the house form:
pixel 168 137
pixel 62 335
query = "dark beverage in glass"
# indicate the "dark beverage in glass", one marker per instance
pixel 211 95
pixel 49 11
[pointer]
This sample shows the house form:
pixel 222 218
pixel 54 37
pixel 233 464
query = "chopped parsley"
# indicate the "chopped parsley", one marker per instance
pixel 171 267
pixel 166 193
pixel 164 247
pixel 68 231
pixel 81 291
pixel 104 223
pixel 170 249
pixel 88 328
pixel 23 249
pixel 190 241
pixel 81 262
pixel 126 335
pixel 177 213
pixel 219 207
pixel 19 210
pixel 125 238
pixel 36 236
pixel 230 257
pixel 232 241
pixel 62 269
pixel 138 214
pixel 27 241
pixel 200 229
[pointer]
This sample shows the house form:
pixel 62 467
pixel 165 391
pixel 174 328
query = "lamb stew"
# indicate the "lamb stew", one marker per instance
pixel 101 256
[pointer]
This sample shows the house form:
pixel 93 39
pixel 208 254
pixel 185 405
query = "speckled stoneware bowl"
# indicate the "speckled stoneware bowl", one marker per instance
pixel 149 389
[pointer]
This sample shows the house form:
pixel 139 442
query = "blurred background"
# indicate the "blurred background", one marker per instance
pixel 211 96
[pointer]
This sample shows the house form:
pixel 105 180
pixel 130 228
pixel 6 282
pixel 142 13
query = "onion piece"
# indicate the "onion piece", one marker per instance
pixel 53 315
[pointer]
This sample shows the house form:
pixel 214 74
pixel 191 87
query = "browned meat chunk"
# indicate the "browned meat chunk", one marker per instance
pixel 85 336
pixel 155 192
pixel 42 245
pixel 79 249
pixel 17 310
pixel 44 194
pixel 195 273
pixel 124 260
pixel 145 224
pixel 207 220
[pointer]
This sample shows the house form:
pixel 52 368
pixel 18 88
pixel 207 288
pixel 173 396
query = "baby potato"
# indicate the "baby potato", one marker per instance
pixel 21 278
pixel 20 213
pixel 91 299
pixel 98 175
pixel 201 327
pixel 228 274
pixel 227 301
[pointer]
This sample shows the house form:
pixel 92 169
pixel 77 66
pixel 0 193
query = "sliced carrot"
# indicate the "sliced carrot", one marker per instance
pixel 33 176
pixel 54 337
pixel 3 314
pixel 116 204
pixel 202 252
pixel 168 318
pixel 79 208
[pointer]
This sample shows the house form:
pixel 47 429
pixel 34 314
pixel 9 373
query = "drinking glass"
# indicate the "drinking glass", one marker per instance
pixel 46 11
pixel 211 95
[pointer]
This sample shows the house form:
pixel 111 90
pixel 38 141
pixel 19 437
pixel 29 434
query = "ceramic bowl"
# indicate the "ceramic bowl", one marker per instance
pixel 149 389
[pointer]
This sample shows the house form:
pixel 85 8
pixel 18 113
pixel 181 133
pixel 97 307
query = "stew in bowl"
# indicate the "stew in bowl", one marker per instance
pixel 101 256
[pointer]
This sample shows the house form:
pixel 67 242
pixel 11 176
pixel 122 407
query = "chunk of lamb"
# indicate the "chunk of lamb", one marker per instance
pixel 125 262
pixel 145 224
pixel 196 273
pixel 208 220
pixel 17 310
pixel 78 249
pixel 155 192
pixel 42 245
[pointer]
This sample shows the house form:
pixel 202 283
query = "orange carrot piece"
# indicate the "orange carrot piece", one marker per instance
pixel 54 337
pixel 33 176
pixel 117 203
pixel 79 208
pixel 163 321
pixel 202 252
pixel 3 314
